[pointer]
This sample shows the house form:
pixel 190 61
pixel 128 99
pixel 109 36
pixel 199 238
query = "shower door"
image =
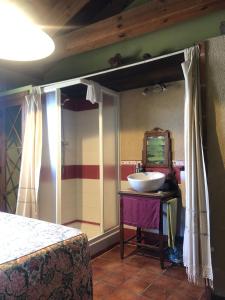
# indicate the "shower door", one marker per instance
pixel 50 180
pixel 109 165
pixel 11 134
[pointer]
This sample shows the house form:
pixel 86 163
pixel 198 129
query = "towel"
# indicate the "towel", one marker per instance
pixel 172 221
pixel 141 212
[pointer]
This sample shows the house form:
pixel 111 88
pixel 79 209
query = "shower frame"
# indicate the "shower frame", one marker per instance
pixel 55 87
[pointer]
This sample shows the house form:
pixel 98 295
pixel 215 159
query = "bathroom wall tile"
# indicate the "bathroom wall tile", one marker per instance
pixel 88 200
pixel 47 202
pixel 68 200
pixel 80 133
pixel 69 128
pixel 87 137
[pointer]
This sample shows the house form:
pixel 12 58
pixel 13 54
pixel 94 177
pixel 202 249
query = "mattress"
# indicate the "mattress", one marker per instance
pixel 41 260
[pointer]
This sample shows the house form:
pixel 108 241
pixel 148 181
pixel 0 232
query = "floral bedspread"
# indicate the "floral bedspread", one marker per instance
pixel 44 261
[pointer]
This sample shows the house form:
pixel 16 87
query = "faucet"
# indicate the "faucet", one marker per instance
pixel 139 168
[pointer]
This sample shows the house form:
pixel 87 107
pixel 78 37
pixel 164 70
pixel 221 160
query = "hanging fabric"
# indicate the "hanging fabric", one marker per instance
pixel 94 92
pixel 49 200
pixel 31 157
pixel 196 248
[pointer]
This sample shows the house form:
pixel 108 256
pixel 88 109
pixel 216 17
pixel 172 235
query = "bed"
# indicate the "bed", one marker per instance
pixel 41 260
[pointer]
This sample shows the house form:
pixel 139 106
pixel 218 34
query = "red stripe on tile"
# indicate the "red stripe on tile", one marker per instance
pixel 126 170
pixel 92 172
pixel 79 171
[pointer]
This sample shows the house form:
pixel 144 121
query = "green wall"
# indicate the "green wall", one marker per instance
pixel 10 79
pixel 170 39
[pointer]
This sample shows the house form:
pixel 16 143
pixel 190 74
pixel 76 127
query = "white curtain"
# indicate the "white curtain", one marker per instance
pixel 31 157
pixel 196 249
pixel 49 200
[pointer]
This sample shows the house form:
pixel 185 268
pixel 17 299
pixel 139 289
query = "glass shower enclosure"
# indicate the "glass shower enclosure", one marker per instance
pixel 50 195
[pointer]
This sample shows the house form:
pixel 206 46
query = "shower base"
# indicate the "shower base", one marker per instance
pixel 91 230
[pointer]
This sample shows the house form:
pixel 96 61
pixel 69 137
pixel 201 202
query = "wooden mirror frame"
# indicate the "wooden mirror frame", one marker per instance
pixel 167 158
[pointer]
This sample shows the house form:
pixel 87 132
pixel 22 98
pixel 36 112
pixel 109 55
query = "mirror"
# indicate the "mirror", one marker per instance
pixel 156 149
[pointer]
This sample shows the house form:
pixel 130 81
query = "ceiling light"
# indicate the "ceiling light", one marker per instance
pixel 21 39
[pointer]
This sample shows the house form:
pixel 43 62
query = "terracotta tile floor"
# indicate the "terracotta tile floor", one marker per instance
pixel 138 277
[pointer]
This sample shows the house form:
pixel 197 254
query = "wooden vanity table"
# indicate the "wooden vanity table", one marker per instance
pixel 143 211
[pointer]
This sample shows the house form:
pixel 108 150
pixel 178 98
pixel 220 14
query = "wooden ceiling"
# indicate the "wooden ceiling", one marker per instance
pixel 150 73
pixel 81 25
pixel 164 70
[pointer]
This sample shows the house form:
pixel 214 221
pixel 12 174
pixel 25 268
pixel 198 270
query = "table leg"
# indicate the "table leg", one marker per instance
pixel 121 241
pixel 161 240
pixel 138 236
pixel 121 230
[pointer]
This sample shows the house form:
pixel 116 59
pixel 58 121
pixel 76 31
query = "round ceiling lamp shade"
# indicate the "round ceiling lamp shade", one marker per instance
pixel 20 38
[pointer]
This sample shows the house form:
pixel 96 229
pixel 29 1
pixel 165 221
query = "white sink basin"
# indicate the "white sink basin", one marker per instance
pixel 146 181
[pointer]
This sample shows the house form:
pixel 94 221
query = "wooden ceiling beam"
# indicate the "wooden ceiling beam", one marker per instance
pixel 61 13
pixel 51 15
pixel 36 10
pixel 150 17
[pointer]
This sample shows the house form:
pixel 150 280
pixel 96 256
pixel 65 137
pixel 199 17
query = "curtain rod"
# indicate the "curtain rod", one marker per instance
pixel 16 91
pixel 77 80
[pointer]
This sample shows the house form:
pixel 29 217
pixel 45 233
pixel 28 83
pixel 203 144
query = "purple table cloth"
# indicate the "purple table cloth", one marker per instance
pixel 140 211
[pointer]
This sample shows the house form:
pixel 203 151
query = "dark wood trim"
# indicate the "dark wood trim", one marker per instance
pixel 81 221
pixel 163 196
pixel 53 17
pixel 148 236
pixel 202 78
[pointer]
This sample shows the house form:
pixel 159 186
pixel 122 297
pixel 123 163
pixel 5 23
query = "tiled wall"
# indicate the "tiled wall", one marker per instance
pixel 80 185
